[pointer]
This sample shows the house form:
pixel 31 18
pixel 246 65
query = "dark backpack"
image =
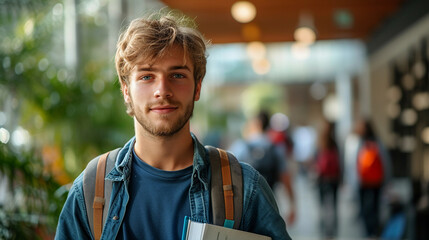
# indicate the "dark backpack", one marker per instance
pixel 266 161
pixel 369 164
pixel 226 189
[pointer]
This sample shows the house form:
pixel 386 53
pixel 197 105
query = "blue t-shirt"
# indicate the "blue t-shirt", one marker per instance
pixel 159 201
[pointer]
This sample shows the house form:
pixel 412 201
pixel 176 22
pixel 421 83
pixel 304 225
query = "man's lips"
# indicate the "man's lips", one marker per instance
pixel 163 109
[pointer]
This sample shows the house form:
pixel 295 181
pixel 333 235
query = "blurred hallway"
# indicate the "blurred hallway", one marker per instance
pixel 60 103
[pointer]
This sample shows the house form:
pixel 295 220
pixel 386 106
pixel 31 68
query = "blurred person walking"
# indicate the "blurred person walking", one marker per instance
pixel 163 173
pixel 269 159
pixel 279 134
pixel 328 170
pixel 373 171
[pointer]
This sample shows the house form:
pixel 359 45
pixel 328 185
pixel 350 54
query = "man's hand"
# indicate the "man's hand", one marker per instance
pixel 291 217
pixel 287 182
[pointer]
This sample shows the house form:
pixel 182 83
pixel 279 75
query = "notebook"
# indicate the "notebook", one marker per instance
pixel 203 231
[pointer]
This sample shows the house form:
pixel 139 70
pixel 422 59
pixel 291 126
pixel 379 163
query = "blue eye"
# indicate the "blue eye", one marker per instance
pixel 178 75
pixel 146 77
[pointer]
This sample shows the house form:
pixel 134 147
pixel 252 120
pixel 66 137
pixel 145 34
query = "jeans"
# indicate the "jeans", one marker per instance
pixel 328 189
pixel 369 201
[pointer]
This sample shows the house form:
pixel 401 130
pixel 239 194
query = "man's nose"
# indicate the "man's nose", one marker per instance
pixel 163 88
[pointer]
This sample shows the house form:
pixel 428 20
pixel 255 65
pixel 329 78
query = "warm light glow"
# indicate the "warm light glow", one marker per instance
pixel 243 11
pixel 409 117
pixel 421 101
pixel 256 50
pixel 305 35
pixel 425 135
pixel 251 32
pixel 261 66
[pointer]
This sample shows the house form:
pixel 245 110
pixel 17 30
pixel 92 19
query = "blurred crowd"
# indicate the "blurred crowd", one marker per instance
pixel 283 154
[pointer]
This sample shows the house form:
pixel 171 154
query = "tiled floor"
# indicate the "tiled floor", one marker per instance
pixel 306 226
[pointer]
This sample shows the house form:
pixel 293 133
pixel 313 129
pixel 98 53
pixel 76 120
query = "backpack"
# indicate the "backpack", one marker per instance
pixel 265 160
pixel 328 164
pixel 226 189
pixel 369 164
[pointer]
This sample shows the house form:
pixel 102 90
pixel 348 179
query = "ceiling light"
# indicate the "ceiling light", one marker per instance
pixel 305 35
pixel 243 11
pixel 261 66
pixel 305 32
pixel 256 50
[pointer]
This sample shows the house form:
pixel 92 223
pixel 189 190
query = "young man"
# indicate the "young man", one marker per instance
pixel 163 173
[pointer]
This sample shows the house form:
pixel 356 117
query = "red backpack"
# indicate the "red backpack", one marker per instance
pixel 370 165
pixel 328 164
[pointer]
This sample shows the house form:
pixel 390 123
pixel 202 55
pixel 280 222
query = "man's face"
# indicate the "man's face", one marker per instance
pixel 162 93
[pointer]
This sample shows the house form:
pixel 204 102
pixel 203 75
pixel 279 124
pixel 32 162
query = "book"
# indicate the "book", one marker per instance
pixel 204 231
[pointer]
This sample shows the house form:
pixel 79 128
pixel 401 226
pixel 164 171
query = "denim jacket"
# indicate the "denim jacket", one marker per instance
pixel 260 212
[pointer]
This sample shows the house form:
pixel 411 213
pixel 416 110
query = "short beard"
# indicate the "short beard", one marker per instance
pixel 169 130
pixel 166 131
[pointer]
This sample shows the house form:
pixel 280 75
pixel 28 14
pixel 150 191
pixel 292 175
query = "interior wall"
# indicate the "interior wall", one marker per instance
pixel 304 110
pixel 381 65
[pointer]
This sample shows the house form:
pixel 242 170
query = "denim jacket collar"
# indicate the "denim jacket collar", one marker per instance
pixel 122 169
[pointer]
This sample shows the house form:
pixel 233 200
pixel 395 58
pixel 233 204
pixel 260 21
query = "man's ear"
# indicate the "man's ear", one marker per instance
pixel 197 90
pixel 125 92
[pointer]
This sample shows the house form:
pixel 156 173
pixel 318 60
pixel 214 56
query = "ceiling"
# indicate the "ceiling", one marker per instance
pixel 276 20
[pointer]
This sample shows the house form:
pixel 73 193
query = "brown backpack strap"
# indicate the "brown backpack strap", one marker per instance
pixel 228 194
pixel 226 188
pixel 99 196
pixel 237 185
pixel 89 185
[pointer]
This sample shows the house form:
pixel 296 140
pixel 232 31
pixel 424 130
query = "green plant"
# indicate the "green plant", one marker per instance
pixel 34 198
pixel 69 115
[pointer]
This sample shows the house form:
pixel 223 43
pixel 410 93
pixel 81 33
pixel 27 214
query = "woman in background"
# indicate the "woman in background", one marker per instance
pixel 329 174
